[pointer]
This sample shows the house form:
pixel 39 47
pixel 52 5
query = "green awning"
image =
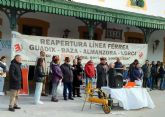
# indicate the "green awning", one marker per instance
pixel 84 11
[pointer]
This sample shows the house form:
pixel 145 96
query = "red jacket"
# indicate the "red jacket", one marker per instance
pixel 90 70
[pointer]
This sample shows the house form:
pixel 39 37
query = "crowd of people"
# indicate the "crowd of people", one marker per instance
pixel 72 74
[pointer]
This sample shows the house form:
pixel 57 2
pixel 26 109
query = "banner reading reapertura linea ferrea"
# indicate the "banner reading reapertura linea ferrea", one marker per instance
pixel 29 48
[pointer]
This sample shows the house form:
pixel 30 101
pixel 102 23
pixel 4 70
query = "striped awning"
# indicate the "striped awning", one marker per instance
pixel 84 11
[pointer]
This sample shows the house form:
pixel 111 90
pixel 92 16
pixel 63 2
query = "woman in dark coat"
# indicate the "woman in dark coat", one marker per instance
pixel 74 68
pixel 77 79
pixel 111 76
pixel 39 75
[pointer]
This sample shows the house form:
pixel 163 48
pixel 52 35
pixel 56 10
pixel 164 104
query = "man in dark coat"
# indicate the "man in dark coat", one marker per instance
pixel 67 78
pixel 102 73
pixel 131 69
pixel 15 75
pixel 147 73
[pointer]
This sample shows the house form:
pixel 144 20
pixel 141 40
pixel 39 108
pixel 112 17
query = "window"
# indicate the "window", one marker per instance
pixel 84 34
pixel 134 40
pixel 32 26
pixel 32 30
pixel 138 3
pixel 134 37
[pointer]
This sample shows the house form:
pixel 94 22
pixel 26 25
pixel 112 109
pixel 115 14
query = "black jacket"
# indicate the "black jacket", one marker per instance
pixel 67 73
pixel 39 74
pixel 111 78
pixel 4 67
pixel 101 75
pixel 15 75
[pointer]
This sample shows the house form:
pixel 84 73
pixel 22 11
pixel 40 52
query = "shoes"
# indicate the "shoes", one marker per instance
pixel 39 102
pixel 16 107
pixel 44 94
pixel 79 96
pixel 11 109
pixel 54 99
pixel 65 99
pixel 71 98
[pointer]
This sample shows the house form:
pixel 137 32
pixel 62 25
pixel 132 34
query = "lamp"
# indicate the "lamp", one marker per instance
pixel 66 33
pixel 155 45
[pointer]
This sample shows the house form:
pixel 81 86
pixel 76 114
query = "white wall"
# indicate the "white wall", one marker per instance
pixel 5 28
pixel 158 53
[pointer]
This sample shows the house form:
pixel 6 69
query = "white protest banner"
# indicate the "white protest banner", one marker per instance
pixel 30 46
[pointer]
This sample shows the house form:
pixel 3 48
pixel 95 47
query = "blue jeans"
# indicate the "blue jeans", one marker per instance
pixel 162 83
pixel 2 80
pixel 54 89
pixel 150 82
pixel 88 80
pixel 67 86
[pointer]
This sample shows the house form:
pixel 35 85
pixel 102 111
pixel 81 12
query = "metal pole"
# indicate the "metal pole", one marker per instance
pixel 13 19
pixel 91 30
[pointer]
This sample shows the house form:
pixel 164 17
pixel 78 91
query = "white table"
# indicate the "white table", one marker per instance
pixel 131 98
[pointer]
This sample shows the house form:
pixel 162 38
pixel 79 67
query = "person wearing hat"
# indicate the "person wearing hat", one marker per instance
pixel 67 78
pixel 102 73
pixel 56 77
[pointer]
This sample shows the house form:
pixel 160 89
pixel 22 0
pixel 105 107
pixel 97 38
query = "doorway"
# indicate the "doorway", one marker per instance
pixel 31 26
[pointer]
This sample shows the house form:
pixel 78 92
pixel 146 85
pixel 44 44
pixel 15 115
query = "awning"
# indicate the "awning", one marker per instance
pixel 84 11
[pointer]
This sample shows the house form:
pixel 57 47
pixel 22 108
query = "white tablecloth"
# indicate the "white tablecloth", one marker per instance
pixel 131 98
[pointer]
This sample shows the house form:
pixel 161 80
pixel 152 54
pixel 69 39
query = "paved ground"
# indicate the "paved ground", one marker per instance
pixel 73 108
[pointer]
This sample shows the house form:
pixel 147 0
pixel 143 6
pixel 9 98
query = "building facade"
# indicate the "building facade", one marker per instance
pixel 96 20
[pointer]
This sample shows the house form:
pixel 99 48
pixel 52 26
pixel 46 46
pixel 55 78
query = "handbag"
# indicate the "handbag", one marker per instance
pixel 79 77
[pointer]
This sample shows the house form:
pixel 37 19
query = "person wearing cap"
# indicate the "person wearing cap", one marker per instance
pixel 56 77
pixel 67 78
pixel 101 73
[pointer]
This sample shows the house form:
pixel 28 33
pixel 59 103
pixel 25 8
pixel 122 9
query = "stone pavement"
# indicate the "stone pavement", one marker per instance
pixel 73 108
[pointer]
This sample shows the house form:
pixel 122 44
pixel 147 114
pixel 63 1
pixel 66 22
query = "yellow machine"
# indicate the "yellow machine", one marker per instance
pixel 101 98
